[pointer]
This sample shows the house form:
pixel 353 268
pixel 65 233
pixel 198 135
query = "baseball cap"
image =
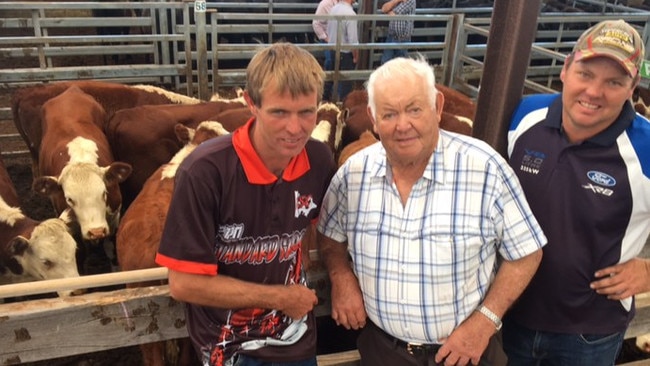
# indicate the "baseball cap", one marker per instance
pixel 615 39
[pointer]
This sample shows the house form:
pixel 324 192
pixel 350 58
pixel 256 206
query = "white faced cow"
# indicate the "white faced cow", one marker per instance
pixel 31 250
pixel 76 163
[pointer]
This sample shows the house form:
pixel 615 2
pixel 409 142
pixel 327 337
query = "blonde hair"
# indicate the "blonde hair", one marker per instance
pixel 293 70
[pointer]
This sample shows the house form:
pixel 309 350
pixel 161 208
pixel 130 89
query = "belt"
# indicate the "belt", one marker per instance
pixel 415 349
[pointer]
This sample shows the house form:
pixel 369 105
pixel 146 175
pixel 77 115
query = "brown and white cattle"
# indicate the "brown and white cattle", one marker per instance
pixel 367 138
pixel 32 250
pixel 27 102
pixel 329 115
pixel 355 116
pixel 139 233
pixel 76 163
pixel 144 137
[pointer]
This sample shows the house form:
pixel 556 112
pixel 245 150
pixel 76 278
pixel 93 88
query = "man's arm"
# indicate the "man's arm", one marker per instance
pixel 347 302
pixel 320 26
pixel 468 342
pixel 230 293
pixel 390 5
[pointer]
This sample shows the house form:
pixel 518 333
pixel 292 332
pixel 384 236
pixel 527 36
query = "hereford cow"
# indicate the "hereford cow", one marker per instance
pixel 139 233
pixel 77 164
pixel 27 102
pixel 355 116
pixel 29 249
pixel 144 137
pixel 330 114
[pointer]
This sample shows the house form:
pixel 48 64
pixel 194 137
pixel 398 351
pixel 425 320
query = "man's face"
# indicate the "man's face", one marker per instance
pixel 593 95
pixel 405 120
pixel 283 124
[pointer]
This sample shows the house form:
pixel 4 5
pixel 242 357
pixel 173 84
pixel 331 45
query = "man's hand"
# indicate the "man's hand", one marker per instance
pixel 347 302
pixel 467 343
pixel 623 280
pixel 300 300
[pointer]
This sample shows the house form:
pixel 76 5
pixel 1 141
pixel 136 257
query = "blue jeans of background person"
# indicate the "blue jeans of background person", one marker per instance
pixel 390 54
pixel 526 347
pixel 328 63
pixel 344 87
pixel 243 360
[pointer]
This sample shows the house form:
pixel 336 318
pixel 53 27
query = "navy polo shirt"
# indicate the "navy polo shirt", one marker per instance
pixel 592 200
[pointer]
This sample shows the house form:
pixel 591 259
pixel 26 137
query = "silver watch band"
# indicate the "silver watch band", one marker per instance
pixel 490 315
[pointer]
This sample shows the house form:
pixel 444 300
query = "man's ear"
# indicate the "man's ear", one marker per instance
pixel 372 119
pixel 249 102
pixel 440 103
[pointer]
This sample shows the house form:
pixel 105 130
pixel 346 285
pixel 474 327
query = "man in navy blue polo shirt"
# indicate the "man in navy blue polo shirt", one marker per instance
pixel 583 159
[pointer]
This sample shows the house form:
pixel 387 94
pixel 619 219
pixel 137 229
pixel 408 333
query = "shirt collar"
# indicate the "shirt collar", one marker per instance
pixel 434 170
pixel 604 138
pixel 255 170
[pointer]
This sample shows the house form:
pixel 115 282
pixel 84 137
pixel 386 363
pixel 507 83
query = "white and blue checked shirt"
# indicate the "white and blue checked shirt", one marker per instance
pixel 424 267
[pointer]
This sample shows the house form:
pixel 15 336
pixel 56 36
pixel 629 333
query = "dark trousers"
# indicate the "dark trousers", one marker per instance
pixel 378 348
pixel 344 87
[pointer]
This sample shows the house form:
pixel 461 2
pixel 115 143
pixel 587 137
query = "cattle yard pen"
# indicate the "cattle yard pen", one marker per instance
pixel 198 54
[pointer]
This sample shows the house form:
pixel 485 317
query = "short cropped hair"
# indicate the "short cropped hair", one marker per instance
pixel 398 68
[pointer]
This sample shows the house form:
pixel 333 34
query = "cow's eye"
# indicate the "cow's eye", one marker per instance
pixel 48 263
pixel 69 201
pixel 105 198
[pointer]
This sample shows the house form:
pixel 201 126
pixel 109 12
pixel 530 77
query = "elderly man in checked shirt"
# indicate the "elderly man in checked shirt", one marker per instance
pixel 426 235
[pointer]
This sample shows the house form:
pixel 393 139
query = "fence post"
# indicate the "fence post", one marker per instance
pixel 504 69
pixel 188 50
pixel 201 49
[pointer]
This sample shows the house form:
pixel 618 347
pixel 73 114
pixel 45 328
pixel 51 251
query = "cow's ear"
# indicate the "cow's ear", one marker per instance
pixel 46 185
pixel 18 245
pixel 117 172
pixel 14 266
pixel 345 114
pixel 68 216
pixel 70 220
pixel 183 133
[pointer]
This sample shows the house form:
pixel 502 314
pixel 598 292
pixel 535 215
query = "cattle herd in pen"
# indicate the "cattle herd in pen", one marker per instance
pixel 106 153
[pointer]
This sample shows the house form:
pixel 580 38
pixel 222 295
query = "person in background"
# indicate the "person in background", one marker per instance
pixel 349 36
pixel 583 161
pixel 240 208
pixel 399 31
pixel 412 229
pixel 320 28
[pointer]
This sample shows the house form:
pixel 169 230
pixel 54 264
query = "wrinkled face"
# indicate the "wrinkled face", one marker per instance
pixel 593 95
pixel 86 194
pixel 405 120
pixel 283 125
pixel 51 253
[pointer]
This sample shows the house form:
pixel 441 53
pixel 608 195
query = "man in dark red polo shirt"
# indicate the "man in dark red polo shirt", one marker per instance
pixel 241 206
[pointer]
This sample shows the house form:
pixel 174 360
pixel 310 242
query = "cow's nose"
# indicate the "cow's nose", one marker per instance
pixel 96 233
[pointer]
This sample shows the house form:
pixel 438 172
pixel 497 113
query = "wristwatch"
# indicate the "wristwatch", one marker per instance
pixel 490 315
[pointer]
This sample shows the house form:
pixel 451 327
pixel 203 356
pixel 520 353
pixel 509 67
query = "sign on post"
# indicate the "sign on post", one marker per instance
pixel 199 6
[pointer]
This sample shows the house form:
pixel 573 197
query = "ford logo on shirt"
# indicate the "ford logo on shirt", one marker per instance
pixel 601 178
